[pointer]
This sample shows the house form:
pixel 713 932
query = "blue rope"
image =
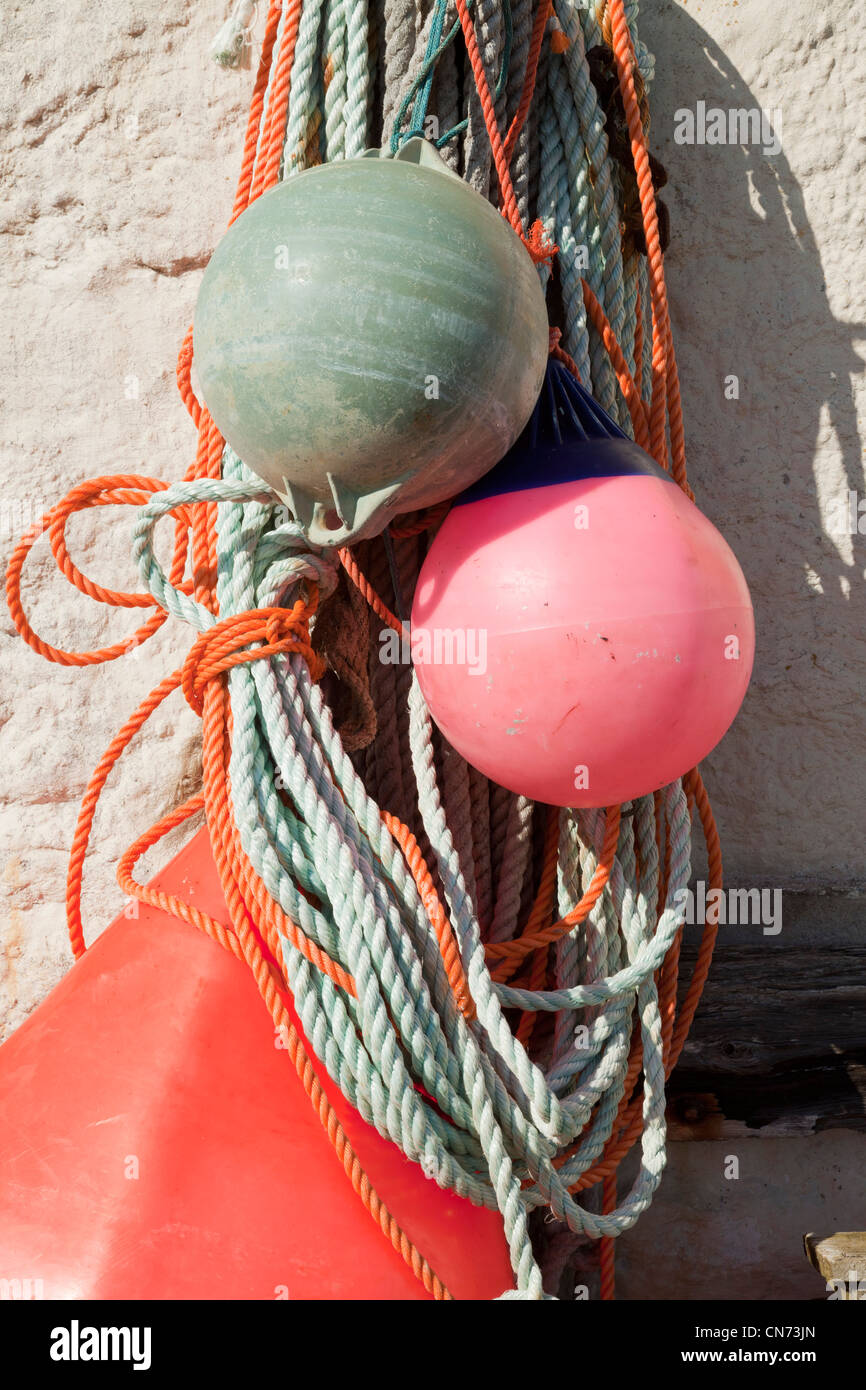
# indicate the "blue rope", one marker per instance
pixel 420 90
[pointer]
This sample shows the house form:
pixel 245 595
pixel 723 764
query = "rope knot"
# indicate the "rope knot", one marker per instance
pixel 229 643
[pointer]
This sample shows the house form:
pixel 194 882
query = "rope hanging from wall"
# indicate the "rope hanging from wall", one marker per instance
pixel 492 982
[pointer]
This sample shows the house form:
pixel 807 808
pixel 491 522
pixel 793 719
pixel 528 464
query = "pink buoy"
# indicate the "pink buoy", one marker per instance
pixel 581 632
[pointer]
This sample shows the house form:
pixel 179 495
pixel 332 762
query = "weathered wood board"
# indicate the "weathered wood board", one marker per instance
pixel 778 1045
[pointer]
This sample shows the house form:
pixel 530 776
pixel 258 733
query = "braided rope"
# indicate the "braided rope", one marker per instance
pixel 425 924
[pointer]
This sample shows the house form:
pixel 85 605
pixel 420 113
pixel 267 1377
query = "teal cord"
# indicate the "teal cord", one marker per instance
pixel 424 83
pixel 419 92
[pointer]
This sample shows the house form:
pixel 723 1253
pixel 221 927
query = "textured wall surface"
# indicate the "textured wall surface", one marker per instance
pixel 766 277
pixel 121 143
pixel 712 1235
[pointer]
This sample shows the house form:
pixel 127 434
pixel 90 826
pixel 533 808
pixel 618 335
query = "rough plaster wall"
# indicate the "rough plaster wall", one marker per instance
pixel 766 279
pixel 121 144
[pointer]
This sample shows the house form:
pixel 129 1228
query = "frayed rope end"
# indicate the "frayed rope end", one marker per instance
pixel 540 249
pixel 228 46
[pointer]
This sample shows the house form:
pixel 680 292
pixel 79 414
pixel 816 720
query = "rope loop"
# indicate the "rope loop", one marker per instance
pixel 493 985
pixel 228 644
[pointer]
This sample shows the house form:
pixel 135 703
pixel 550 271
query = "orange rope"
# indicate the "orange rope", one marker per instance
pixel 257 923
pixel 226 645
pixel 539 250
pixel 627 384
pixel 379 607
pixel 606 1244
pixel 436 914
pixel 505 955
pixel 650 421
pixel 542 15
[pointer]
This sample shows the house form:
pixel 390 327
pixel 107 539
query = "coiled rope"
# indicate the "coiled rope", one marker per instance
pixel 492 984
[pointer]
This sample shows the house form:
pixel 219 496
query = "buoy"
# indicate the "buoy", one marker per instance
pixel 156 1141
pixel 582 633
pixel 370 337
pixel 146 1145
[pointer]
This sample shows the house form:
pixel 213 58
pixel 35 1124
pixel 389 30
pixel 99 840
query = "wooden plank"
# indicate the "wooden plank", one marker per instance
pixel 840 1259
pixel 778 1045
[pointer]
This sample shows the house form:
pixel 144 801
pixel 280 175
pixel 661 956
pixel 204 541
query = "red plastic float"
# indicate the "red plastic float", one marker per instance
pixel 156 1142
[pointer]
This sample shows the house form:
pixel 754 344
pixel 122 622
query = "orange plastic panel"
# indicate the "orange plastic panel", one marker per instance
pixel 155 1142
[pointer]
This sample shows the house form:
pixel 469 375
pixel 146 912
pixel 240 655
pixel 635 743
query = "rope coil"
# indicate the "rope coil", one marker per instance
pixel 492 985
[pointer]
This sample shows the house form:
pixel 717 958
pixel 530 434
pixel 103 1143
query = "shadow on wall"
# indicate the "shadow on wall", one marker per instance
pixel 749 300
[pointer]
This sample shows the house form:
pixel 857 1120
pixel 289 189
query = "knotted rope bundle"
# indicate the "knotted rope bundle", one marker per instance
pixel 492 984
